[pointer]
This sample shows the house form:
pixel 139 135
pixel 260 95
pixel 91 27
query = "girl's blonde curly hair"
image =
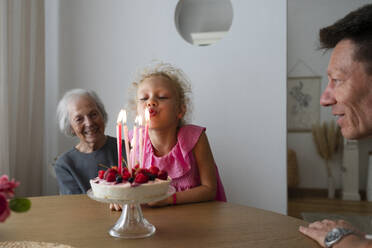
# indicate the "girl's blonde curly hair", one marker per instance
pixel 176 76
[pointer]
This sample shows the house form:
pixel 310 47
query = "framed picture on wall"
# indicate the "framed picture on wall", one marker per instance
pixel 303 107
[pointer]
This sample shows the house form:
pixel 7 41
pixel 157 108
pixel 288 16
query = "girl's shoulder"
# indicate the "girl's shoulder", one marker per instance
pixel 191 129
pixel 188 136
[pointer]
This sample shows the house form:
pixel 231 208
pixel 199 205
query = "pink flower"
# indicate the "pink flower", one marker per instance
pixel 4 208
pixel 6 194
pixel 7 187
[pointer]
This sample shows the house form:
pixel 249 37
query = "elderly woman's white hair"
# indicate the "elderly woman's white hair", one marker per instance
pixel 62 109
pixel 179 79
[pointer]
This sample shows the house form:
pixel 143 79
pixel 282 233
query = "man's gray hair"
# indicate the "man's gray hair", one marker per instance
pixel 62 109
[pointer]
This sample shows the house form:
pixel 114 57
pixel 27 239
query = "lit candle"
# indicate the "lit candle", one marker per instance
pixel 118 138
pixel 140 139
pixel 147 119
pixel 126 138
pixel 134 142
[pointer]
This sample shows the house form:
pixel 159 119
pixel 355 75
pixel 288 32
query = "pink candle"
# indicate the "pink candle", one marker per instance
pixel 140 140
pixel 118 139
pixel 126 139
pixel 134 142
pixel 147 119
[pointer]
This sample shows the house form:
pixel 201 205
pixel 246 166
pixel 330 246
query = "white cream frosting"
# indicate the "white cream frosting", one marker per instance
pixel 124 191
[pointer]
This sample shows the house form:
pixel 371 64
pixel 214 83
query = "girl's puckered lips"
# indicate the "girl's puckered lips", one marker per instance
pixel 152 112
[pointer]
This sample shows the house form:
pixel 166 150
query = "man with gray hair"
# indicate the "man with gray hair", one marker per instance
pixel 349 93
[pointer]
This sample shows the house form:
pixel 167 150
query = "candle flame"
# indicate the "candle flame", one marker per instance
pixel 136 120
pixel 139 120
pixel 120 117
pixel 124 116
pixel 147 115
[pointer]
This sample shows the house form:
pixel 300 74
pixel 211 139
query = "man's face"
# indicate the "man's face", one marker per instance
pixel 349 92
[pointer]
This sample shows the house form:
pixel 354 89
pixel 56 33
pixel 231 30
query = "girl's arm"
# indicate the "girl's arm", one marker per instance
pixel 207 171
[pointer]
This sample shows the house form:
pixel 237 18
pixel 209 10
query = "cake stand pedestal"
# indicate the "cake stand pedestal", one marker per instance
pixel 132 224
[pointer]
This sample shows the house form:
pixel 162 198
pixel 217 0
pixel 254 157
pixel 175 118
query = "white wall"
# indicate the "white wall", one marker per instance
pixel 238 83
pixel 305 18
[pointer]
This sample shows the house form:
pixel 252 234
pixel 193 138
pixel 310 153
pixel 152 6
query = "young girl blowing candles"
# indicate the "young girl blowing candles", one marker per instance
pixel 173 146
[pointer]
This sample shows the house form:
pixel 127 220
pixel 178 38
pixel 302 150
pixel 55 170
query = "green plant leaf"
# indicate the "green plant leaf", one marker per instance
pixel 20 205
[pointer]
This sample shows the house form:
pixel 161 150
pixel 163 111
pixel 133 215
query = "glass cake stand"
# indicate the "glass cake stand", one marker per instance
pixel 132 224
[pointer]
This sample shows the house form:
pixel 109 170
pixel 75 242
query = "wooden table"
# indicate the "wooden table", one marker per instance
pixel 79 221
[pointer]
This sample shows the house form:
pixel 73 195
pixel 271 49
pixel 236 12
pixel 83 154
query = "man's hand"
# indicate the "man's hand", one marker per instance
pixel 319 229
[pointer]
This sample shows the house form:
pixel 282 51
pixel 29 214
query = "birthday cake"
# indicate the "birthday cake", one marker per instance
pixel 139 185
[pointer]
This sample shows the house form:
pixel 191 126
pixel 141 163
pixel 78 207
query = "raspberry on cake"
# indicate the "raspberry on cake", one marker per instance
pixel 163 175
pixel 141 178
pixel 154 170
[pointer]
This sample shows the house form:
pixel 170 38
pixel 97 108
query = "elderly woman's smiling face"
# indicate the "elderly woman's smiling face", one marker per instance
pixel 87 121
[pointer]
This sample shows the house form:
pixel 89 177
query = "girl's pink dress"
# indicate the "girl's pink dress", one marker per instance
pixel 180 162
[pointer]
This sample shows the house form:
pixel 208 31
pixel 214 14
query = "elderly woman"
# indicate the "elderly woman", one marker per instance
pixel 81 113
